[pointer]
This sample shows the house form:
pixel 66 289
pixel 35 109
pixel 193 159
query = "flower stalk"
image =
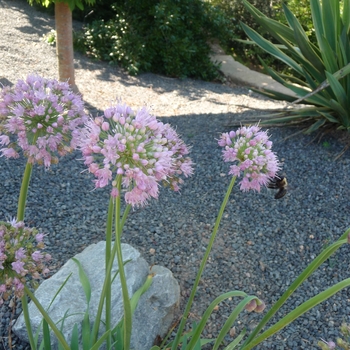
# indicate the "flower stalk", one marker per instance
pixel 202 265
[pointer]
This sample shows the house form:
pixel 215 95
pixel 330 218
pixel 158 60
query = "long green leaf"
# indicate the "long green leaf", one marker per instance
pixel 86 331
pixel 315 126
pixel 235 342
pixel 331 14
pixel 209 311
pixel 300 310
pixel 329 57
pixel 74 341
pixel 346 16
pixel 270 48
pixel 282 30
pixel 232 318
pixel 338 75
pixel 318 261
pixel 329 117
pixel 184 342
pixel 100 341
pixel 338 90
pixel 341 112
pixel 84 280
pixel 302 41
pixel 317 22
pixel 46 335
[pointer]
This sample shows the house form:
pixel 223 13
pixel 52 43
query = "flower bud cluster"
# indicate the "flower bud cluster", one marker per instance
pixel 21 256
pixel 251 148
pixel 136 147
pixel 256 305
pixel 43 114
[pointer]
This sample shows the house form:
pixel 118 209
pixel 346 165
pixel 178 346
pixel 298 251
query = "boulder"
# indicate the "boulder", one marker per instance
pixel 152 317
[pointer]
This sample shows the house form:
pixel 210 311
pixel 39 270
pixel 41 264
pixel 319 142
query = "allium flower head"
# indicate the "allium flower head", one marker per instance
pixel 250 147
pixel 136 148
pixel 43 115
pixel 20 257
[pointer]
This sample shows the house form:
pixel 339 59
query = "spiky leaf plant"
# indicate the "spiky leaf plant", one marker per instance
pixel 319 69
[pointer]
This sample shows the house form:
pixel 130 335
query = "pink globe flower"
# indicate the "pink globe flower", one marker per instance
pixel 20 257
pixel 135 148
pixel 43 115
pixel 251 149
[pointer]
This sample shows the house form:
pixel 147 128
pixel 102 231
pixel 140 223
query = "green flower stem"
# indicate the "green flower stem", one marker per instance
pixel 300 279
pixel 201 268
pixel 102 297
pixel 104 287
pixel 20 217
pixel 108 275
pixel 27 321
pixel 24 191
pixel 125 215
pixel 126 300
pixel 47 318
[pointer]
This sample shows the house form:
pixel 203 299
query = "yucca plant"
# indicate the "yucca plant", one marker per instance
pixel 319 70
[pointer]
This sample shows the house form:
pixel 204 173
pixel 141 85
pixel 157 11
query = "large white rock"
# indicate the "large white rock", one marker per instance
pixel 154 313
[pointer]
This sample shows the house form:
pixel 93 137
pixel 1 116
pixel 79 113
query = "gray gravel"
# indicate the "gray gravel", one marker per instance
pixel 262 244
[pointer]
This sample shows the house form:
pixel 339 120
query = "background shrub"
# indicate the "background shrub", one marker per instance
pixel 167 37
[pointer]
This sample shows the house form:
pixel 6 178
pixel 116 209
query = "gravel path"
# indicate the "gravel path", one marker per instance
pixel 263 243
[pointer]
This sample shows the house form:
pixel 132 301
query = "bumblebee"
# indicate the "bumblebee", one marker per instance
pixel 279 183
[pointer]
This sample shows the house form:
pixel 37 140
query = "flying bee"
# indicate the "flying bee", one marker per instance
pixel 279 183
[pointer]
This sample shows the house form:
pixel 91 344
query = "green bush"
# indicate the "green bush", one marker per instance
pixel 323 65
pixel 162 36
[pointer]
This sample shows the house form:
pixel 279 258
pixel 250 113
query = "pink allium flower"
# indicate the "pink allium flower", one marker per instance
pixel 251 149
pixel 20 257
pixel 43 114
pixel 136 147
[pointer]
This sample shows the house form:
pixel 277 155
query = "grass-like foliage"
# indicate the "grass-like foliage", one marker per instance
pixel 322 66
pixel 166 37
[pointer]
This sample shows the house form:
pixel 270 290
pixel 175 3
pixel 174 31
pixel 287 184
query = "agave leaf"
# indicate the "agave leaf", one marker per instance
pixel 338 75
pixel 341 112
pixel 317 22
pixel 274 95
pixel 315 126
pixel 280 29
pixel 331 14
pixel 294 80
pixel 338 90
pixel 329 57
pixel 270 48
pixel 302 40
pixel 329 117
pixel 346 16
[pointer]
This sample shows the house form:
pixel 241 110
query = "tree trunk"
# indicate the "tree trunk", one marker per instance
pixel 64 43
